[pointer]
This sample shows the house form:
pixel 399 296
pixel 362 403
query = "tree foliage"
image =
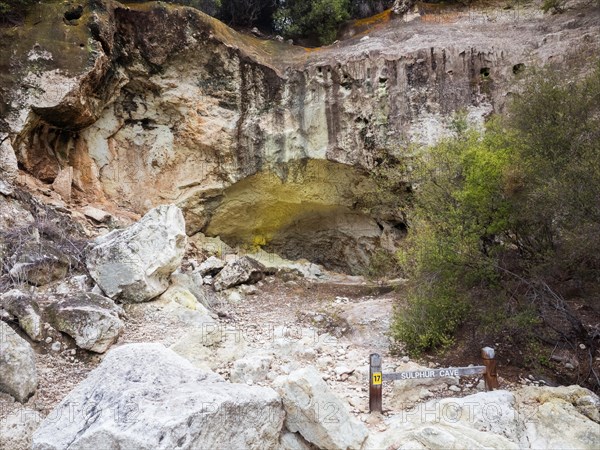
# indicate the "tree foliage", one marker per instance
pixel 319 18
pixel 12 11
pixel 247 12
pixel 518 205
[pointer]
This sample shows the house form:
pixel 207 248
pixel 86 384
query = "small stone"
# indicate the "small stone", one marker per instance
pixel 569 366
pixel 454 388
pixel 56 347
pixel 234 297
pixel 405 359
pixel 425 394
pixel 582 346
pixel 96 214
pixel 48 340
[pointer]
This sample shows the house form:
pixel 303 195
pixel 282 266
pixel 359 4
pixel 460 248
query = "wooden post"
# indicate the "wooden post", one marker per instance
pixel 489 361
pixel 375 383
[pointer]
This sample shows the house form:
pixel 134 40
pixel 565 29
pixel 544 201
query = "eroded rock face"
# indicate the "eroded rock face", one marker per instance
pixel 163 403
pixel 134 264
pixel 165 104
pixel 18 375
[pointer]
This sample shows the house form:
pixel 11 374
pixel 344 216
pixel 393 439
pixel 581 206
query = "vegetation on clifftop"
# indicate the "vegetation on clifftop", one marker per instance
pixel 12 11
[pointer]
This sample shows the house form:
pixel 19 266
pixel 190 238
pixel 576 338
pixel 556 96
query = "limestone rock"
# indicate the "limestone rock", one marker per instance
pixel 134 264
pixel 316 413
pixel 18 375
pixel 252 368
pixel 158 400
pixel 96 214
pixel 62 183
pixel 193 282
pixel 560 417
pixel 239 271
pixel 92 320
pixel 17 429
pixel 212 346
pixel 276 264
pixel 39 263
pixel 26 310
pixel 432 436
pixel 293 441
pixel 8 160
pixel 533 417
pixel 179 304
pixel 211 266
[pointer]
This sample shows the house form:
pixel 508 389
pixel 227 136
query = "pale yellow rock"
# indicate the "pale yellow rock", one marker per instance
pixel 62 183
pixel 181 296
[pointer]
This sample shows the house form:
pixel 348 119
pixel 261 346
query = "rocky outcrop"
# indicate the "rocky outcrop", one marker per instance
pixel 317 414
pixel 18 375
pixel 158 400
pixel 528 418
pixel 156 104
pixel 92 320
pixel 239 271
pixel 134 264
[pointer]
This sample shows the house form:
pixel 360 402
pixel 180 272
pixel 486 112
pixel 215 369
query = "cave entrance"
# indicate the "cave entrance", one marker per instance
pixel 311 209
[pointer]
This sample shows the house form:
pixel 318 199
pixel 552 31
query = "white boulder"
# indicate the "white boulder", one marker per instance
pixel 316 413
pixel 26 310
pixel 211 266
pixel 134 264
pixel 92 320
pixel 143 396
pixel 18 375
pixel 251 369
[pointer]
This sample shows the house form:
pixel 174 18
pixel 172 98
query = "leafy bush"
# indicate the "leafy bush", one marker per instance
pixel 12 11
pixel 507 215
pixel 554 6
pixel 318 18
pixel 459 209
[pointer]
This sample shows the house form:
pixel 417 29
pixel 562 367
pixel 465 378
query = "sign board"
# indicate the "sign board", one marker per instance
pixel 377 377
pixel 435 373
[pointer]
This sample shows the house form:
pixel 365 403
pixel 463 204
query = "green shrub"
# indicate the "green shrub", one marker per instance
pixel 554 6
pixel 318 18
pixel 506 215
pixel 460 209
pixel 12 11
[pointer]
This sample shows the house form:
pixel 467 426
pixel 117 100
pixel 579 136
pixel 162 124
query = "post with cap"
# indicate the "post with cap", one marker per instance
pixel 489 361
pixel 375 383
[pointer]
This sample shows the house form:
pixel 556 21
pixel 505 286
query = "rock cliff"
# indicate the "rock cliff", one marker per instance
pixel 261 142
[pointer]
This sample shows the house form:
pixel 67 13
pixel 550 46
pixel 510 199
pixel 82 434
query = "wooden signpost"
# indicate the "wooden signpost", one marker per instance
pixel 377 377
